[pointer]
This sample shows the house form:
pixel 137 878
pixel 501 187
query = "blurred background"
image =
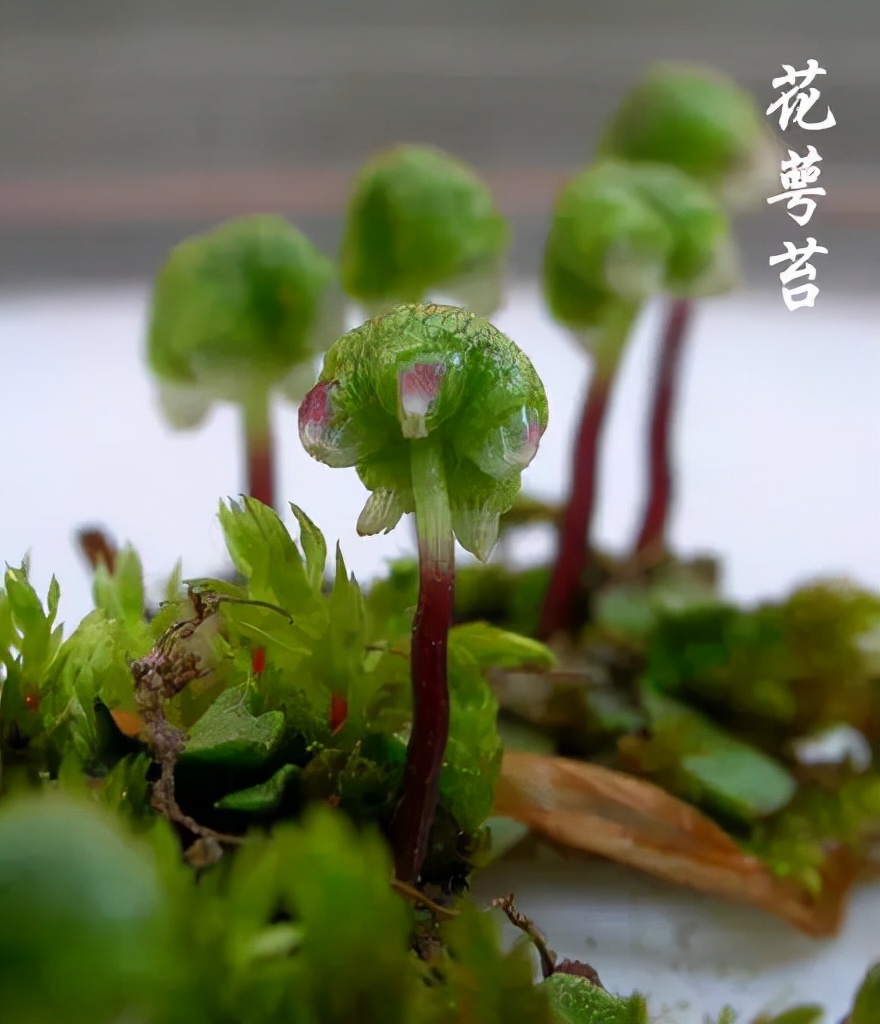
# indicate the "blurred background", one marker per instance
pixel 124 126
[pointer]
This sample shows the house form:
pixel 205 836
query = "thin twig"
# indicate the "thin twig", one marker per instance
pixel 519 920
pixel 160 675
pixel 417 896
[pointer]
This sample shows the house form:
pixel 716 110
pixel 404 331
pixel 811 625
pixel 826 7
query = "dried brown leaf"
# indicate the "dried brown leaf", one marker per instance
pixel 596 810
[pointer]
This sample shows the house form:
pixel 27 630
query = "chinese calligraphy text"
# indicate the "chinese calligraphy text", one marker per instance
pixel 798 175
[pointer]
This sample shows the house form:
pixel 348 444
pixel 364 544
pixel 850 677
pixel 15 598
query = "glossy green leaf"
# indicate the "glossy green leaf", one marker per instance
pixel 473 752
pixel 314 547
pixel 709 765
pixel 229 734
pixel 267 796
pixel 275 569
pixel 578 1001
pixel 120 594
pixel 491 647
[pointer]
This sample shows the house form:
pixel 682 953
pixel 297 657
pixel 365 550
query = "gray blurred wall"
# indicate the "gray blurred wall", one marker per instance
pixel 125 123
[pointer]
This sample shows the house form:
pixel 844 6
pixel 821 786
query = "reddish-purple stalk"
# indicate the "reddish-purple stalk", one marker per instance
pixel 430 726
pixel 259 451
pixel 651 542
pixel 414 815
pixel 260 456
pixel 557 612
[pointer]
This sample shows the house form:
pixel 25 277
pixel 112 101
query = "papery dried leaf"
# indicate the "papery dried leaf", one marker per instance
pixel 596 810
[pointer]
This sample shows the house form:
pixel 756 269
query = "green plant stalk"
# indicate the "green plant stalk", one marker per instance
pixel 575 544
pixel 259 446
pixel 651 542
pixel 414 815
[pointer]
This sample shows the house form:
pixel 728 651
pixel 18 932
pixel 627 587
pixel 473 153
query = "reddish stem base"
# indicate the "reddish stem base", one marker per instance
pixel 651 542
pixel 557 613
pixel 260 469
pixel 261 485
pixel 411 826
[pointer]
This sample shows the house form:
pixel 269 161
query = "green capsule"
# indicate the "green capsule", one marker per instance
pixel 241 309
pixel 428 372
pixel 701 122
pixel 421 221
pixel 622 232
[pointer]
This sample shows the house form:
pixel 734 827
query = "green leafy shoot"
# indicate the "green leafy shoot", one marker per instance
pixel 788 668
pixel 821 819
pixel 578 1001
pixel 699 761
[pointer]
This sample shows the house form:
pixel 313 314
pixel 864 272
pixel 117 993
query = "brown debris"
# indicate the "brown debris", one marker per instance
pixel 596 810
pixel 159 676
pixel 549 963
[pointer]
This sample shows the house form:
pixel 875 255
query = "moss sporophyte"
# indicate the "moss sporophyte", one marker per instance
pixel 440 413
pixel 621 233
pixel 702 123
pixel 420 224
pixel 205 789
pixel 238 314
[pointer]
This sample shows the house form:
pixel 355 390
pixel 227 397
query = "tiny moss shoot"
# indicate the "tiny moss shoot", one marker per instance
pixel 440 413
pixel 237 314
pixel 420 223
pixel 620 234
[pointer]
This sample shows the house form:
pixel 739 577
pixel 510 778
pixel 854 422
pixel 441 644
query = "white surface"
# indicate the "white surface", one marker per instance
pixel 779 456
pixel 689 954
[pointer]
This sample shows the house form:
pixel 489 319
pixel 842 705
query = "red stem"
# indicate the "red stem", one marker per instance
pixel 652 535
pixel 260 468
pixel 557 613
pixel 430 728
pixel 260 456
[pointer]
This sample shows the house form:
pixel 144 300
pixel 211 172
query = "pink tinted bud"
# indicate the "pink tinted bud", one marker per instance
pixel 510 447
pixel 418 389
pixel 323 434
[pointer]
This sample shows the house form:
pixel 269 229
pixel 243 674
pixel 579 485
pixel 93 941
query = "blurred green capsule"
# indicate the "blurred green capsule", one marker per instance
pixel 422 372
pixel 701 122
pixel 84 938
pixel 241 309
pixel 622 232
pixel 421 221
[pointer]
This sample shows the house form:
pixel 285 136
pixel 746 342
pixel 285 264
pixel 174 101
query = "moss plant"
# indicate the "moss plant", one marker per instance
pixel 702 123
pixel 620 234
pixel 255 805
pixel 421 224
pixel 236 314
pixel 440 413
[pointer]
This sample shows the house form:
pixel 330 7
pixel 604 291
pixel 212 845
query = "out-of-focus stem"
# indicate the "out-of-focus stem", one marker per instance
pixel 414 816
pixel 259 453
pixel 259 447
pixel 651 542
pixel 574 548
